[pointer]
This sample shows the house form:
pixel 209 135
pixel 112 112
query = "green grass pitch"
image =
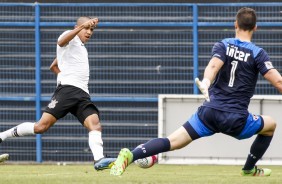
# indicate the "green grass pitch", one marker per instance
pixel 158 174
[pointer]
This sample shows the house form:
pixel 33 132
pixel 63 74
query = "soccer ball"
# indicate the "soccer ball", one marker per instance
pixel 146 162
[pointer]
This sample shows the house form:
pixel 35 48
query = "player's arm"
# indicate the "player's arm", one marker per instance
pixel 212 69
pixel 209 75
pixel 70 35
pixel 274 77
pixel 54 67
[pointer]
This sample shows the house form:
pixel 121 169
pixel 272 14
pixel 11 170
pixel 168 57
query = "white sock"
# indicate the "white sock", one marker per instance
pixel 96 144
pixel 22 129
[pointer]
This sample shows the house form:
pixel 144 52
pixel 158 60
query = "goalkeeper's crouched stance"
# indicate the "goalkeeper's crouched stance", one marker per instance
pixel 228 85
pixel 195 128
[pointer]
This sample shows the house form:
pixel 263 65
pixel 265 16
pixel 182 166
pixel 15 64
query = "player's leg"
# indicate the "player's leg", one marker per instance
pixel 56 109
pixel 191 130
pixel 46 121
pixel 269 126
pixel 95 141
pixel 28 128
pixel 88 115
pixel 260 145
pixel 23 129
pixel 177 140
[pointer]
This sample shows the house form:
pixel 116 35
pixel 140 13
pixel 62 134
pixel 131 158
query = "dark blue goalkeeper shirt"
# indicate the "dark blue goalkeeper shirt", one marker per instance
pixel 235 83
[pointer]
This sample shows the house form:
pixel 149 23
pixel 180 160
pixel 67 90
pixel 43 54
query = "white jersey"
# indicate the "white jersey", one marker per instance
pixel 73 64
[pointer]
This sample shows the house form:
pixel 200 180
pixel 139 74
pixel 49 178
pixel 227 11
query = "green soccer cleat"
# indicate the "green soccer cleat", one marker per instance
pixel 4 157
pixel 124 158
pixel 256 172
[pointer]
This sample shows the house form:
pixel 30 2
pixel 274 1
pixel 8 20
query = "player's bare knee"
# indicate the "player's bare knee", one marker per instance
pixel 269 126
pixel 272 124
pixel 92 122
pixel 40 129
pixel 179 139
pixel 96 126
pixel 93 125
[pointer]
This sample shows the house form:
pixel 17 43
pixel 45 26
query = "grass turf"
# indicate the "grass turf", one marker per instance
pixel 164 174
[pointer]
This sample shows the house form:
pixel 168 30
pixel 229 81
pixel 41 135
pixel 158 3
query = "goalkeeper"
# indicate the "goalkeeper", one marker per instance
pixel 228 85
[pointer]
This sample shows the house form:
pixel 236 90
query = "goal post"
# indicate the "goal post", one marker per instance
pixel 175 110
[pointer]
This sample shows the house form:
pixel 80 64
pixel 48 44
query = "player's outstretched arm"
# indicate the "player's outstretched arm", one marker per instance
pixel 70 35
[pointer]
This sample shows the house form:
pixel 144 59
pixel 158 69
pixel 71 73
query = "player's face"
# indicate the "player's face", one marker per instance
pixel 86 34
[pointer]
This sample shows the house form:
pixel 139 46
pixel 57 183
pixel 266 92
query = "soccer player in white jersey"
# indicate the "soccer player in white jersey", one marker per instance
pixel 72 68
pixel 228 85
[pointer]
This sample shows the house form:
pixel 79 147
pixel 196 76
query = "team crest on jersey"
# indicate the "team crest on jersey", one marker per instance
pixel 268 65
pixel 52 104
pixel 255 117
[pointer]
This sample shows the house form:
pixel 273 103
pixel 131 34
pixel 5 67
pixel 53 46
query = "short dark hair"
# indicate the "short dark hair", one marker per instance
pixel 246 19
pixel 82 19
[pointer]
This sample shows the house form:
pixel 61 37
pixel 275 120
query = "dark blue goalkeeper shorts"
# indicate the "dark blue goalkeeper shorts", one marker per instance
pixel 208 121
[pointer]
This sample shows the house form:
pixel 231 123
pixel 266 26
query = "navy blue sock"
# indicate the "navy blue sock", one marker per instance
pixel 152 147
pixel 258 149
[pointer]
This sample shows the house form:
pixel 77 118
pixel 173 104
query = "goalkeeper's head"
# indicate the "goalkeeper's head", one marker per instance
pixel 246 19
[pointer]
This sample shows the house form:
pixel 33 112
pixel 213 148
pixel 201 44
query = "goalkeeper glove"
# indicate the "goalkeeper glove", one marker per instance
pixel 204 87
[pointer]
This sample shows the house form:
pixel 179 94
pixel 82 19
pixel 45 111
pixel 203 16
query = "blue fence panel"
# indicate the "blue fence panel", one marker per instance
pixel 17 61
pixel 138 51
